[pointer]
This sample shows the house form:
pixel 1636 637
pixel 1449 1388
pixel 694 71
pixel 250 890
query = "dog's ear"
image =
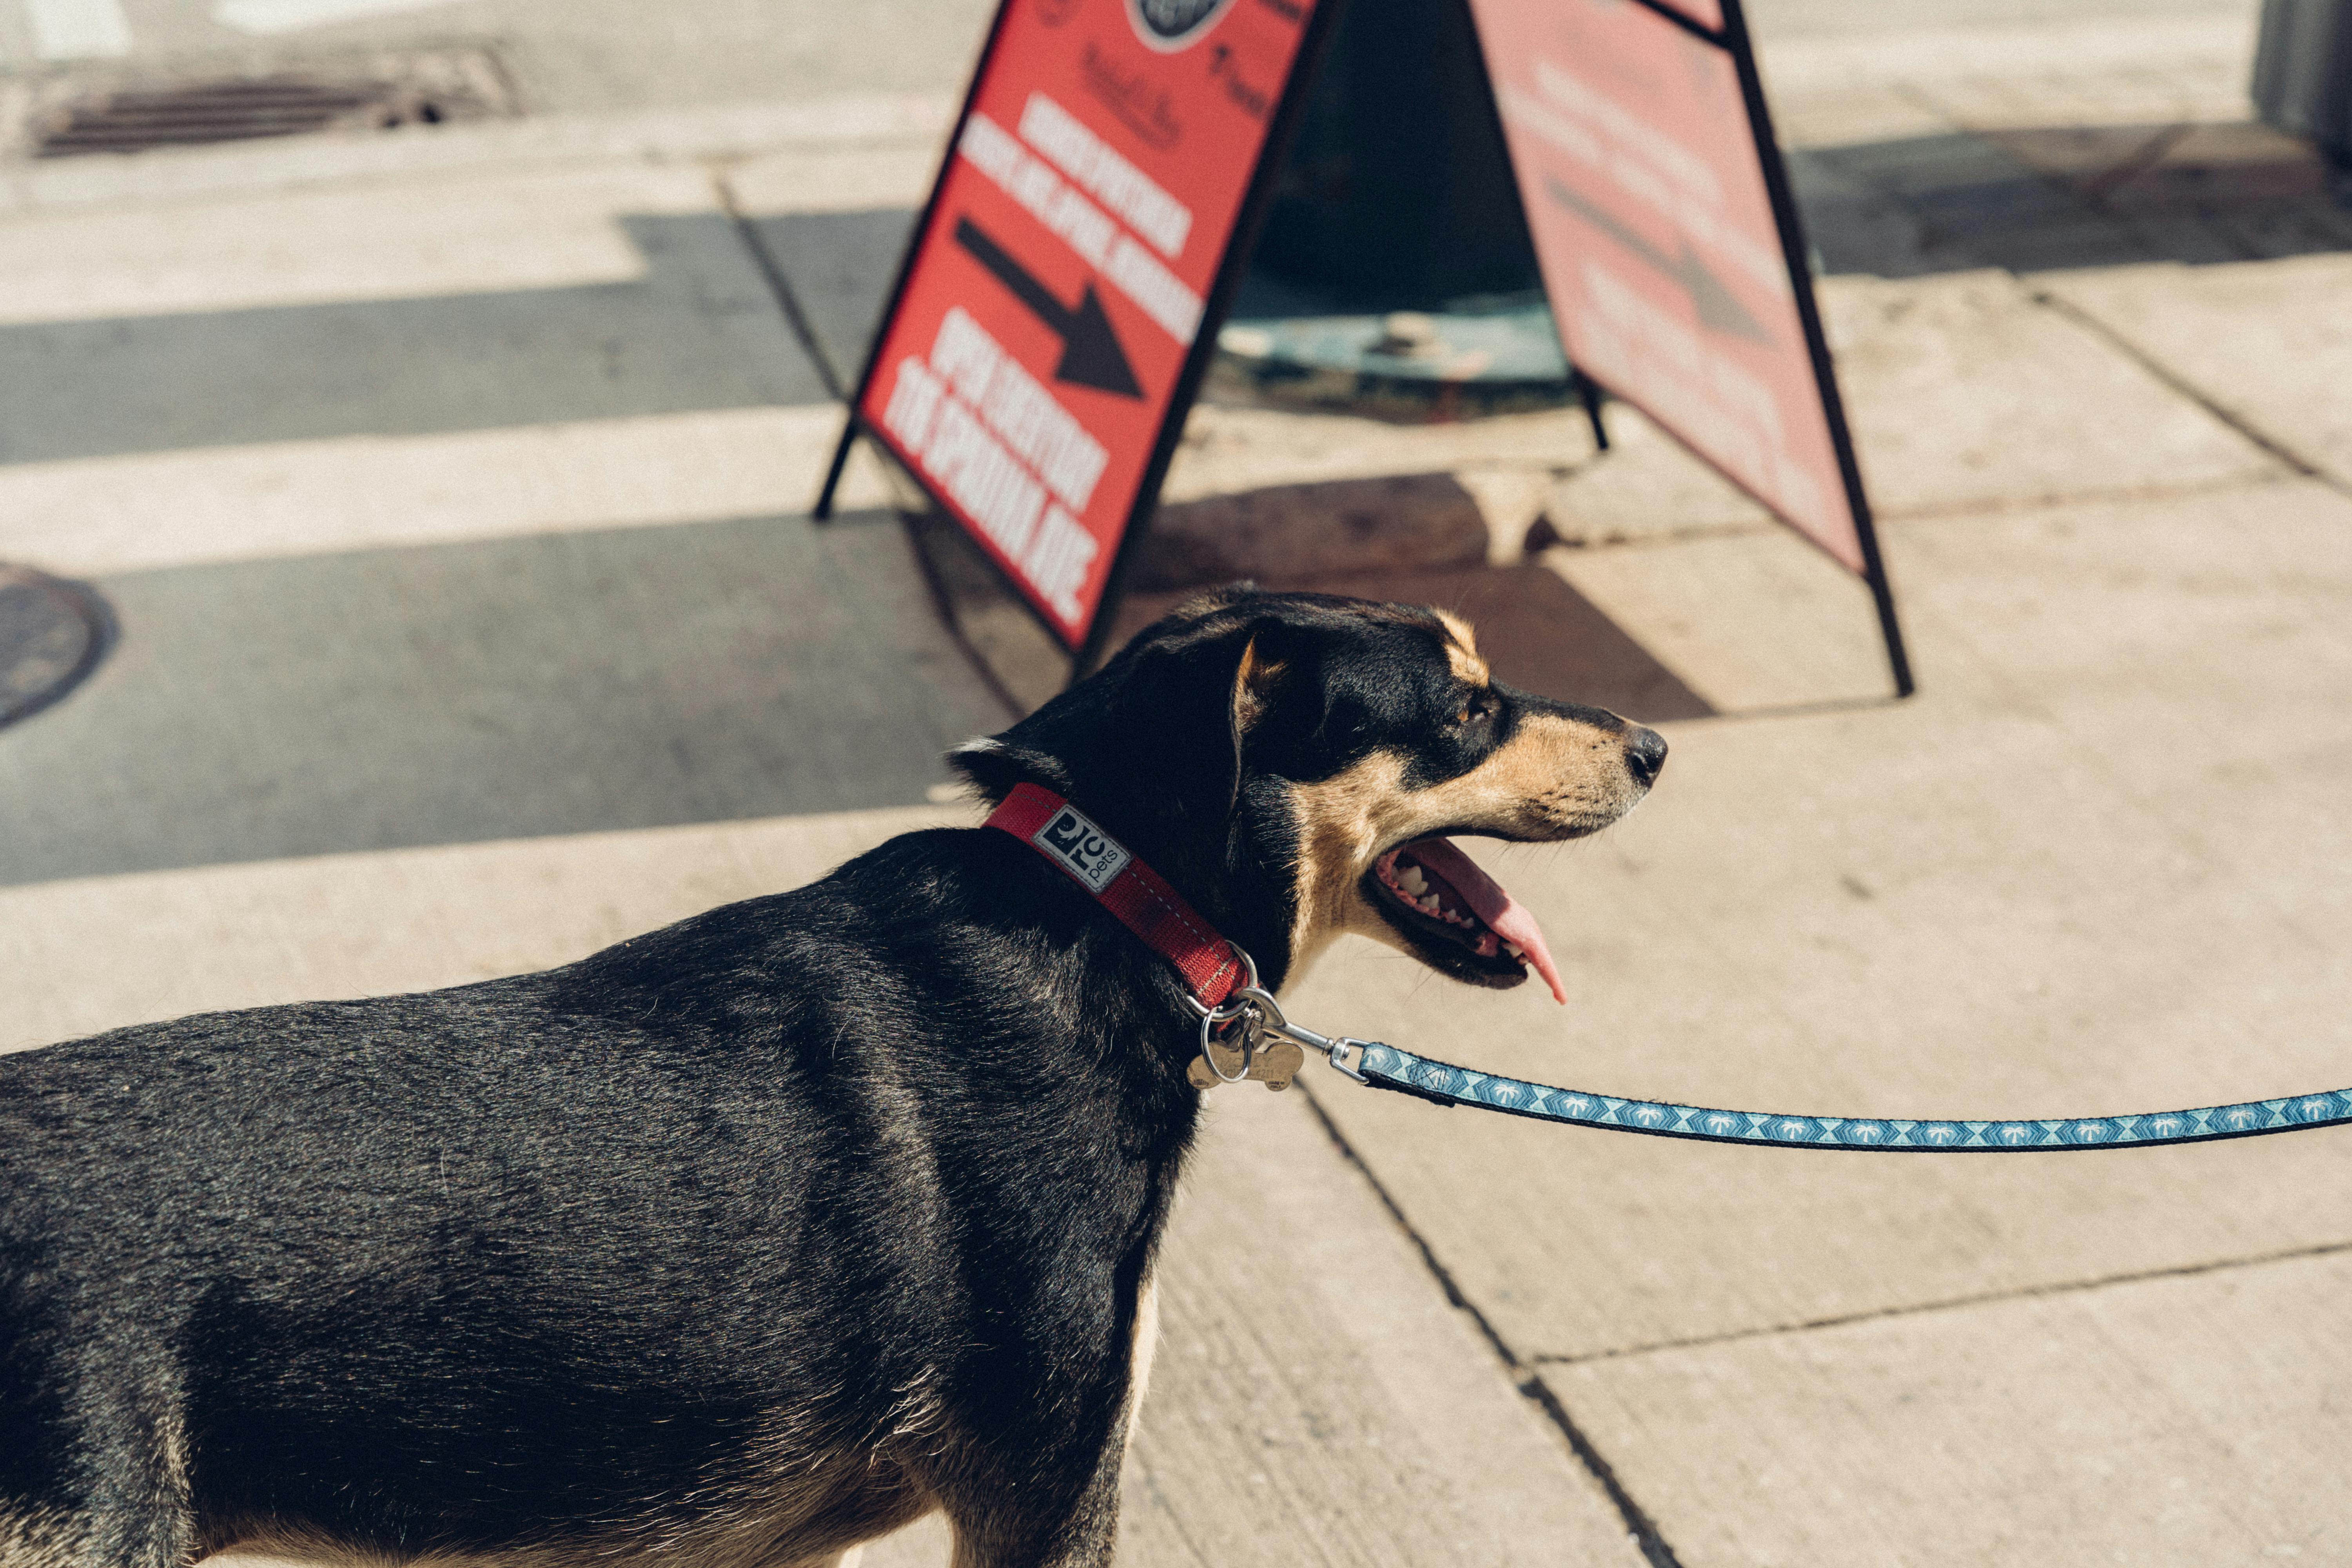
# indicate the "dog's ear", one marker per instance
pixel 1156 735
pixel 1255 680
pixel 1153 746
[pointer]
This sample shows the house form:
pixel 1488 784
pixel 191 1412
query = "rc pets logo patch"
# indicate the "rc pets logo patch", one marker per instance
pixel 1090 854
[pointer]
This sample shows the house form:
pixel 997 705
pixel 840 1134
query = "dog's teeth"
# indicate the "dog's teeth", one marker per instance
pixel 1415 882
pixel 1428 905
pixel 1514 949
pixel 1486 945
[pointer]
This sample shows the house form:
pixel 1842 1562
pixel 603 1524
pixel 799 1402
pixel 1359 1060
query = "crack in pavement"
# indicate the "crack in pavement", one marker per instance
pixel 1952 1303
pixel 2246 428
pixel 1530 1386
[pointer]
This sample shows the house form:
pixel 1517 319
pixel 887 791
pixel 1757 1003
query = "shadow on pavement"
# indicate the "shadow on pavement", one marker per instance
pixel 2044 198
pixel 494 689
pixel 698 330
pixel 839 266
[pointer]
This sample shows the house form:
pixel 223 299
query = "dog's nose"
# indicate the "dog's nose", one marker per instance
pixel 1645 754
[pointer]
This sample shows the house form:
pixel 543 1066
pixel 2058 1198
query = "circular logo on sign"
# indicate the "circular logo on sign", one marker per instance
pixel 1174 24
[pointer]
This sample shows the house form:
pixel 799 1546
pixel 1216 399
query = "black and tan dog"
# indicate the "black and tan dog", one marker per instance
pixel 751 1238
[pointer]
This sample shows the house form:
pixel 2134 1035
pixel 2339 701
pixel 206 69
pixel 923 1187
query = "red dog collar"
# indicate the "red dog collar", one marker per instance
pixel 1141 897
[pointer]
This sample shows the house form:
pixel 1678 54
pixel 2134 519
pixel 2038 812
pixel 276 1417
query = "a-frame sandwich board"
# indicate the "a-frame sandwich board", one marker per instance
pixel 1059 302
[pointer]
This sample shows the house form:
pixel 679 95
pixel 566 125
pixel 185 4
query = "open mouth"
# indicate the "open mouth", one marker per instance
pixel 1460 919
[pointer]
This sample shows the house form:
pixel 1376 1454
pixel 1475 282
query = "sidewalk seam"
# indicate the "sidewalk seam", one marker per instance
pixel 1953 1303
pixel 2246 428
pixel 1530 1385
pixel 2046 501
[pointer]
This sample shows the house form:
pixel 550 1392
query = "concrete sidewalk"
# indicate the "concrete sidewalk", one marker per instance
pixel 449 488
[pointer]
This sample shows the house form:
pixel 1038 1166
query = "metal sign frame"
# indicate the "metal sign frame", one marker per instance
pixel 1800 277
pixel 1733 38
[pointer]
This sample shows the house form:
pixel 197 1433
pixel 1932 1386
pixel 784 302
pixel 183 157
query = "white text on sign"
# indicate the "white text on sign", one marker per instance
pixel 959 415
pixel 1119 185
pixel 1114 254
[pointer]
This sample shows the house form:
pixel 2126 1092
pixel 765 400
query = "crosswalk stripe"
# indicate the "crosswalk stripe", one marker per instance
pixel 97 516
pixel 482 232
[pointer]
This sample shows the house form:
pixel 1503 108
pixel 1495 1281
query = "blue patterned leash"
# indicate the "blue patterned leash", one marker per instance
pixel 1385 1066
pixel 1236 1033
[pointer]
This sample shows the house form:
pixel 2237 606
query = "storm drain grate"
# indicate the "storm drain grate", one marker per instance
pixel 52 632
pixel 223 111
pixel 72 117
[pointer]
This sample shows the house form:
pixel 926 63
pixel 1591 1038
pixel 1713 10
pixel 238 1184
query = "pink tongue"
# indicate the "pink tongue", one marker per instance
pixel 1487 900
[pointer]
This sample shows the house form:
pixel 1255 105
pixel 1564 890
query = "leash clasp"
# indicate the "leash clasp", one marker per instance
pixel 1343 1053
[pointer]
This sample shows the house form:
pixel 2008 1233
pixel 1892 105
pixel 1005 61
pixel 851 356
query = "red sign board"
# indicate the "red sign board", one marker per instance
pixel 1050 321
pixel 1648 176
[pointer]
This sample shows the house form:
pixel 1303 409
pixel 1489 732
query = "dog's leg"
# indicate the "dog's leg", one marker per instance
pixel 1139 1364
pixel 996 1530
pixel 1014 1537
pixel 102 1480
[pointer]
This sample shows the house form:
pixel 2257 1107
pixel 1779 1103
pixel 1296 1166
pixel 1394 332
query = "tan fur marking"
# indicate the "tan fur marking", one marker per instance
pixel 1254 682
pixel 1554 779
pixel 1147 1341
pixel 1462 649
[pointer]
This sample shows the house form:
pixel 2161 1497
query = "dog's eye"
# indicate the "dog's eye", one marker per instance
pixel 1478 705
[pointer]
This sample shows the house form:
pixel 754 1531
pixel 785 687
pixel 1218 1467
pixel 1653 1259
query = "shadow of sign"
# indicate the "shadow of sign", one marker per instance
pixel 2049 198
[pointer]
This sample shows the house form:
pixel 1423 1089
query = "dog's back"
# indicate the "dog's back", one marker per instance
pixel 665 1195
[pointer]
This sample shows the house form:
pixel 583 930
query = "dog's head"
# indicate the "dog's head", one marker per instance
pixel 1298 764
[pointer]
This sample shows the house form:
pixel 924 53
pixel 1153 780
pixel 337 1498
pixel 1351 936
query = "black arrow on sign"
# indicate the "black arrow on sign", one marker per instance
pixel 1717 306
pixel 1091 352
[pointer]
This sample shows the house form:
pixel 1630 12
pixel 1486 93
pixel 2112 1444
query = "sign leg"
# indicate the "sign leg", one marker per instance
pixel 822 511
pixel 1899 659
pixel 1588 390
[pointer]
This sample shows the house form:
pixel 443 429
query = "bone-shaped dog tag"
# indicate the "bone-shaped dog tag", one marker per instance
pixel 1276 1063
